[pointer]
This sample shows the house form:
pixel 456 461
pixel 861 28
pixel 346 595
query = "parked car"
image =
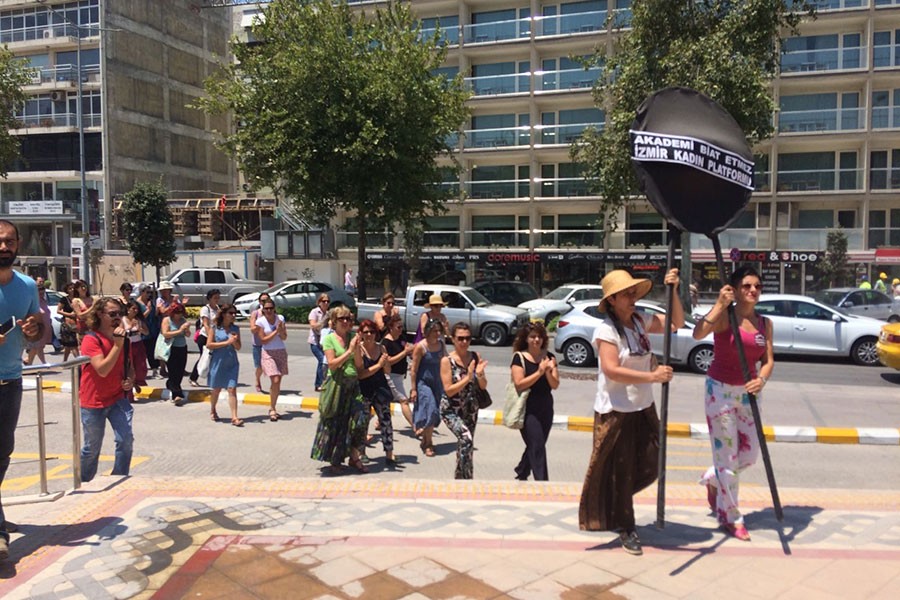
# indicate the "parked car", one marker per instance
pixel 804 326
pixel 195 282
pixel 560 300
pixel 510 293
pixel 863 303
pixel 888 346
pixel 293 294
pixel 495 324
pixel 55 318
pixel 575 332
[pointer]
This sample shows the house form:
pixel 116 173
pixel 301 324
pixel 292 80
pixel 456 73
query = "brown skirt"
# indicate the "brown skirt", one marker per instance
pixel 624 461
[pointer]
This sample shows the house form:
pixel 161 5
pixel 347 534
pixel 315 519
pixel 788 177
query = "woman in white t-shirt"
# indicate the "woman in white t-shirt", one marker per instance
pixel 272 333
pixel 207 319
pixel 626 428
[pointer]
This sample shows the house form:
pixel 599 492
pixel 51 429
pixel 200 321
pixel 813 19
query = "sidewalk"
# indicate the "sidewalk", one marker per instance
pixel 697 430
pixel 369 537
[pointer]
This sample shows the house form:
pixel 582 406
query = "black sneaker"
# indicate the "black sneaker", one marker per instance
pixel 4 549
pixel 631 543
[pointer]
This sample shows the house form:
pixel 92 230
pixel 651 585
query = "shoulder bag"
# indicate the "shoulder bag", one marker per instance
pixel 482 395
pixel 330 396
pixel 514 406
pixel 163 348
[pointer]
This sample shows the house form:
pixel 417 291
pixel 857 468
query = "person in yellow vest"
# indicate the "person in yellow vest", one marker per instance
pixel 881 284
pixel 865 285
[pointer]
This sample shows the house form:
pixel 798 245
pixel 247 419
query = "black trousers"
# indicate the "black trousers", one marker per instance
pixel 150 347
pixel 534 433
pixel 176 365
pixel 201 342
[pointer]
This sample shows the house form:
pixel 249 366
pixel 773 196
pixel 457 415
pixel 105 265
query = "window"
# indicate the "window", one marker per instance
pixel 189 276
pixel 814 171
pixel 805 310
pixel 884 228
pixel 772 308
pixel 819 112
pixel 822 53
pixel 815 219
pixel 215 277
pixel 884 169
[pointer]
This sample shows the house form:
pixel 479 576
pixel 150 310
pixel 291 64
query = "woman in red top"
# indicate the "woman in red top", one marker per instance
pixel 105 383
pixel 732 431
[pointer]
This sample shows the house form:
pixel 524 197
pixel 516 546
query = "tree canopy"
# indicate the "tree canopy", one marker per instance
pixel 14 74
pixel 726 49
pixel 340 110
pixel 149 229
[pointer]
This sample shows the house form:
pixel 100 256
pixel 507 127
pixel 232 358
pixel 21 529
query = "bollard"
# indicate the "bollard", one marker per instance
pixel 76 431
pixel 42 434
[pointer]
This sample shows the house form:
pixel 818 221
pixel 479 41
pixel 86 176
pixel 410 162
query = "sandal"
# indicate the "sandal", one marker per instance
pixel 358 465
pixel 237 422
pixel 737 530
pixel 259 388
pixel 273 415
pixel 214 416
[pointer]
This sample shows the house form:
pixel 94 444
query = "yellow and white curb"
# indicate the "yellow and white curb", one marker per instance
pixel 882 436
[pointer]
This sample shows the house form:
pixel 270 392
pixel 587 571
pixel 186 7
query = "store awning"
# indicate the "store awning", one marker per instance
pixel 887 256
pixel 33 260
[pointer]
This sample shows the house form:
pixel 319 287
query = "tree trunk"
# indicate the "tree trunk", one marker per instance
pixel 157 277
pixel 361 261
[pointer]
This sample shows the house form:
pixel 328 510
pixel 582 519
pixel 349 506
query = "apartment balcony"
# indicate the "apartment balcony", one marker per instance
pixel 497 238
pixel 41 35
pixel 509 189
pixel 586 22
pixel 820 121
pixel 497 31
pixel 503 137
pixel 832 59
pixel 69 120
pixel 762 181
pixel 884 179
pixel 441 239
pixel 564 134
pixel 745 239
pixel 564 187
pixel 830 5
pixel 821 180
pixel 633 239
pixel 449 35
pixel 494 85
pixel 568 79
pixel 815 239
pixel 885 117
pixel 569 238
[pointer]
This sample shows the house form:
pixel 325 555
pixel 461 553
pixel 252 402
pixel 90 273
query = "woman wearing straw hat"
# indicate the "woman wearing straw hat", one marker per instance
pixel 435 304
pixel 624 459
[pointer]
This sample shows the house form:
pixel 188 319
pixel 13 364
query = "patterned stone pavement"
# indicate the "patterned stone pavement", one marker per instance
pixel 145 537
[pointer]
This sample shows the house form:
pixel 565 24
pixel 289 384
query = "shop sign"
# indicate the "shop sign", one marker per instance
pixel 36 207
pixel 773 256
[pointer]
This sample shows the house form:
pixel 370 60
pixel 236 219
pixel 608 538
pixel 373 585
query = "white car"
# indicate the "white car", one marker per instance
pixel 291 294
pixel 804 326
pixel 560 300
pixel 575 331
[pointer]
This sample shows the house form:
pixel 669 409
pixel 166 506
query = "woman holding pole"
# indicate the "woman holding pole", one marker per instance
pixel 626 428
pixel 732 429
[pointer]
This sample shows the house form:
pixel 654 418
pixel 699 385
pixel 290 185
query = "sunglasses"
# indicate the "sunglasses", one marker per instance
pixel 324 301
pixel 464 338
pixel 367 331
pixel 113 314
pixel 754 286
pixel 268 308
pixel 344 319
pixel 231 312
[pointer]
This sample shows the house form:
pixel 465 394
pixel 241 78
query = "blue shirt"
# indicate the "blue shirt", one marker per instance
pixel 18 298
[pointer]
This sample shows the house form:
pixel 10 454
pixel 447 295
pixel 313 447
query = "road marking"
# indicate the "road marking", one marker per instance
pixel 61 471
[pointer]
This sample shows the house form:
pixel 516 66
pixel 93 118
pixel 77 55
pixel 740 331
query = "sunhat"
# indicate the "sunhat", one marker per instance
pixel 436 300
pixel 619 281
pixel 166 285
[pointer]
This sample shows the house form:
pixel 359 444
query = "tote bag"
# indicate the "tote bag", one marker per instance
pixel 203 363
pixel 163 348
pixel 330 396
pixel 514 407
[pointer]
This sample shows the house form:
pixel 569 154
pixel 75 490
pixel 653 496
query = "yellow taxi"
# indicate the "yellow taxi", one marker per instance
pixel 888 346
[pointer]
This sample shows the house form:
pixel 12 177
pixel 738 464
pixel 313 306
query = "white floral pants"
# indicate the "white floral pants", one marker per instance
pixel 735 446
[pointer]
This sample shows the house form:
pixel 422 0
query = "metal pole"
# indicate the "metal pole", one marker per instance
pixel 42 435
pixel 76 430
pixel 745 368
pixel 664 394
pixel 85 210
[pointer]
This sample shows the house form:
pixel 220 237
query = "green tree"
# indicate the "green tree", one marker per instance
pixel 726 49
pixel 339 110
pixel 149 229
pixel 14 74
pixel 835 268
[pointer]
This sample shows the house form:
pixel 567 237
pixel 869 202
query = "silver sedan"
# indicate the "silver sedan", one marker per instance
pixel 575 332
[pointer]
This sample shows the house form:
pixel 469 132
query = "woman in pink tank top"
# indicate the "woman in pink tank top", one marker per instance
pixel 732 431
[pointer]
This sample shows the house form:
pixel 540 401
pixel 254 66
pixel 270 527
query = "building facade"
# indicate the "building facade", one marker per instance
pixel 135 67
pixel 526 213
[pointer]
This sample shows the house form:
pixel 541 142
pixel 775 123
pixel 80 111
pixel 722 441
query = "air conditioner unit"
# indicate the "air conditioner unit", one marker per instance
pixel 48 33
pixel 57 96
pixel 36 77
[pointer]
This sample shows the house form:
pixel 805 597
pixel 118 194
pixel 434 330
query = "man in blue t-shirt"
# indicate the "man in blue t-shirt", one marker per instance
pixel 20 310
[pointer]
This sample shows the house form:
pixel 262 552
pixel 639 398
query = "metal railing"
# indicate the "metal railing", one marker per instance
pixel 38 371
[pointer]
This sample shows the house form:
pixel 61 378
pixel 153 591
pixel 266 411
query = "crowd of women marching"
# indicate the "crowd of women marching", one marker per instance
pixel 437 378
